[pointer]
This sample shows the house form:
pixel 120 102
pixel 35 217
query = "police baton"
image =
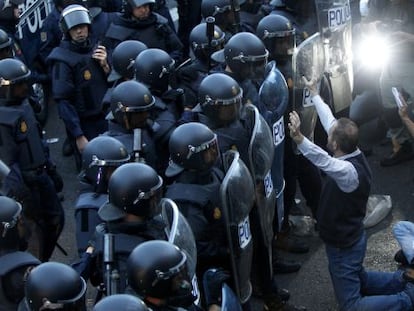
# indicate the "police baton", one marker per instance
pixel 210 21
pixel 111 274
pixel 235 7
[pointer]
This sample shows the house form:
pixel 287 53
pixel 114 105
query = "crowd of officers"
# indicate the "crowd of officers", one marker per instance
pixel 129 88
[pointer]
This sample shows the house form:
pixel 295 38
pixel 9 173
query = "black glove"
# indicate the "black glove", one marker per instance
pixel 213 280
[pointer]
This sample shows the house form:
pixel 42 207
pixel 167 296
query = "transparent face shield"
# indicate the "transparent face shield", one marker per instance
pixel 205 155
pixel 153 196
pixel 253 66
pixel 223 111
pixel 280 43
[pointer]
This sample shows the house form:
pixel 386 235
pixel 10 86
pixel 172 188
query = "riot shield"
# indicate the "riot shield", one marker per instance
pixel 237 199
pixel 179 233
pixel 308 60
pixel 229 301
pixel 274 94
pixel 261 154
pixel 335 28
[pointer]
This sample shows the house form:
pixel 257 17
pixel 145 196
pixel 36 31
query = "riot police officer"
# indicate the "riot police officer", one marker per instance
pixel 33 179
pixel 131 122
pixel 245 57
pixel 190 74
pixel 102 155
pixel 140 22
pixel 195 188
pixel 121 302
pixel 79 79
pixel 157 272
pixel 278 34
pixel 53 286
pixel 14 261
pixel 134 192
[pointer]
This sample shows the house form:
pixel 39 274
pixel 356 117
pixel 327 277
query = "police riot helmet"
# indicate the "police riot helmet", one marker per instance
pixel 74 15
pixel 129 5
pixel 278 35
pixel 100 158
pixel 193 146
pixel 134 188
pixel 123 58
pixel 220 98
pixel 200 43
pixel 131 102
pixel 245 54
pixel 54 286
pixel 216 8
pixel 10 211
pixel 120 302
pixel 5 40
pixel 13 73
pixel 154 67
pixel 158 269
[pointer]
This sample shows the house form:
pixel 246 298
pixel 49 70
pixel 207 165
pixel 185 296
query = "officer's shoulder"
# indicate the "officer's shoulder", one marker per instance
pixel 11 116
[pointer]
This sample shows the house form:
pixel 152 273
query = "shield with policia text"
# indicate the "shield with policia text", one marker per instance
pixel 237 199
pixel 274 96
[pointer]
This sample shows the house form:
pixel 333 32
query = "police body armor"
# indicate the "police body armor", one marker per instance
pixel 274 95
pixel 237 199
pixel 86 217
pixel 8 263
pixel 153 35
pixel 261 153
pixel 123 244
pixel 88 78
pixel 148 153
pixel 21 121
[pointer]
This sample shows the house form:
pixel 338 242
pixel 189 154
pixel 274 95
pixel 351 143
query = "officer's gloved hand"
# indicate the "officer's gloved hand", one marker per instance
pixel 213 280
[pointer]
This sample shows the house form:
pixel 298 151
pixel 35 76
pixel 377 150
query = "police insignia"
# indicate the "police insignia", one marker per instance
pixel 147 99
pixel 216 213
pixel 23 127
pixel 87 75
pixel 290 83
pixel 234 90
pixel 43 36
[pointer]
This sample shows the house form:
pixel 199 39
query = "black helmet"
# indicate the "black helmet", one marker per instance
pixel 123 58
pixel 278 35
pixel 7 13
pixel 5 40
pixel 219 9
pixel 199 41
pixel 10 211
pixel 158 269
pixel 129 5
pixel 154 67
pixel 55 286
pixel 74 15
pixel 13 71
pixel 220 97
pixel 131 102
pixel 120 302
pixel 134 188
pixel 245 54
pixel 100 157
pixel 193 146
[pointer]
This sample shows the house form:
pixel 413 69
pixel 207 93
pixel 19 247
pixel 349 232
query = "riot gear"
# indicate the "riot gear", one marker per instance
pixel 192 146
pixel 245 54
pixel 54 285
pixel 13 73
pixel 9 214
pixel 74 15
pixel 100 157
pixel 200 44
pixel 220 97
pixel 154 68
pixel 5 43
pixel 278 35
pixel 158 269
pixel 123 58
pixel 134 188
pixel 121 302
pixel 131 102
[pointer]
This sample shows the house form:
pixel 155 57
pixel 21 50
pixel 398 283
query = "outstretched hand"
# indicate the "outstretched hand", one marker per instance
pixel 311 85
pixel 294 127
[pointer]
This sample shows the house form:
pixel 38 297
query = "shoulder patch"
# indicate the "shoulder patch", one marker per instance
pixel 23 126
pixel 43 36
pixel 87 75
